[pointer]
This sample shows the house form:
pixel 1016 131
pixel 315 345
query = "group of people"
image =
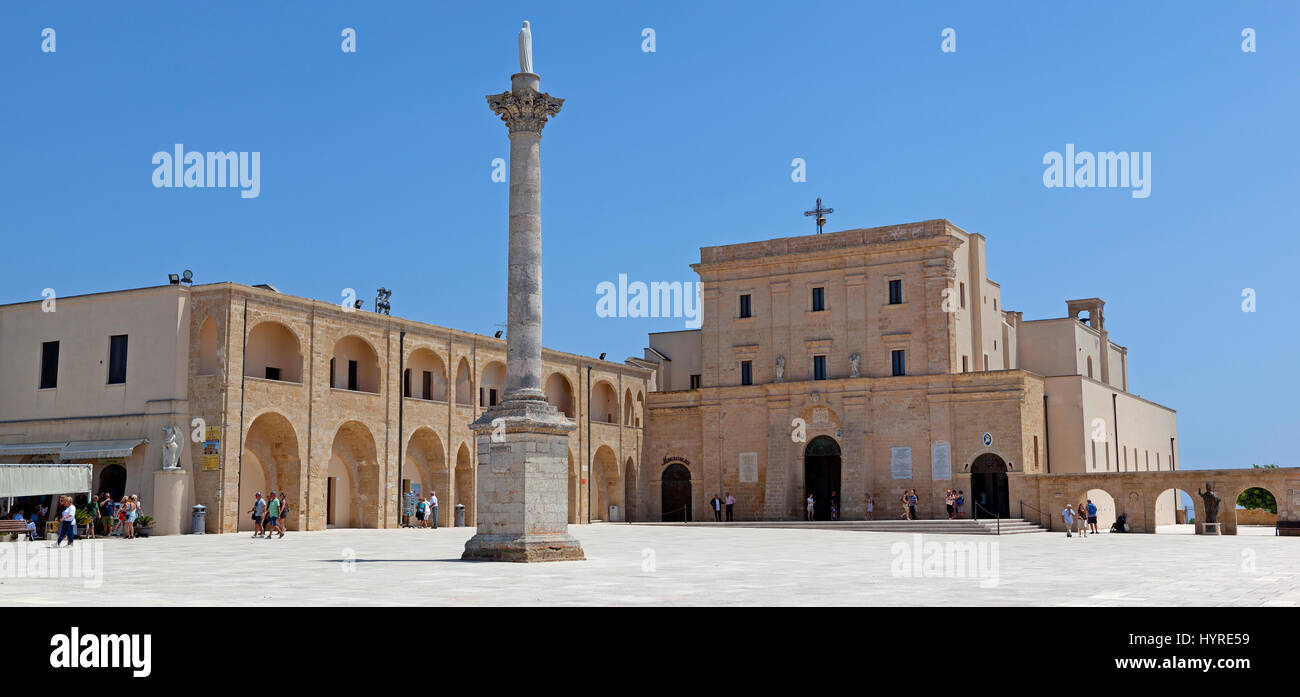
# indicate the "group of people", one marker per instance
pixel 1085 517
pixel 909 501
pixel 269 514
pixel 114 518
pixel 426 511
pixel 716 504
pixel 953 500
pixel 810 506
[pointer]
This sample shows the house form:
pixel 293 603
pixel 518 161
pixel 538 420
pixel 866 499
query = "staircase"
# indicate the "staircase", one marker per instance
pixel 964 526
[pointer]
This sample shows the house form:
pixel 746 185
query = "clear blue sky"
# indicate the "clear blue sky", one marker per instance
pixel 376 165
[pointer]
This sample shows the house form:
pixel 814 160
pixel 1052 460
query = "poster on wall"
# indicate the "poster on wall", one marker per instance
pixel 940 461
pixel 211 455
pixel 900 463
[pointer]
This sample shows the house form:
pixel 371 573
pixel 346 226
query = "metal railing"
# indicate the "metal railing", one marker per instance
pixel 1037 518
pixel 975 513
pixel 682 510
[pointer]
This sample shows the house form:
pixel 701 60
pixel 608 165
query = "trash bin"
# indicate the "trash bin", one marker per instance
pixel 199 519
pixel 613 515
pixel 460 515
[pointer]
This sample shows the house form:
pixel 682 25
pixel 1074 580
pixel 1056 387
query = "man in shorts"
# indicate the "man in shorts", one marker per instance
pixel 1092 516
pixel 273 516
pixel 257 511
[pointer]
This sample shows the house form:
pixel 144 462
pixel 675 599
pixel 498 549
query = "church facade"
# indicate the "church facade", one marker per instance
pixel 873 361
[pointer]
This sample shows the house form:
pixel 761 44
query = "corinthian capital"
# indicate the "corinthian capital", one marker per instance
pixel 525 111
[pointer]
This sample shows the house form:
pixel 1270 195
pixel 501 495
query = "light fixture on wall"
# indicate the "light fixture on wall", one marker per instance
pixel 381 300
pixel 187 276
pixel 602 356
pixel 357 305
pixel 173 279
pixel 497 335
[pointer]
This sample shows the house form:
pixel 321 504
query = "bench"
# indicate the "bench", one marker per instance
pixel 13 526
pixel 1287 528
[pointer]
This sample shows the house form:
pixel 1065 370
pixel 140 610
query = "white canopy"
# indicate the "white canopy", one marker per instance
pixel 38 480
pixel 74 450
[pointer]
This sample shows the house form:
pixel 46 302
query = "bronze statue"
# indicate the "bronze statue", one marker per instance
pixel 1211 501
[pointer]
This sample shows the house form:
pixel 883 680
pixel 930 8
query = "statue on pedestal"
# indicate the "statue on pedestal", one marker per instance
pixel 780 368
pixel 171 447
pixel 854 361
pixel 525 49
pixel 1211 501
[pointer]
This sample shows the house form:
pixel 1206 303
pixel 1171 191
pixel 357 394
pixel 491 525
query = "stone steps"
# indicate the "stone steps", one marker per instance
pixel 1010 526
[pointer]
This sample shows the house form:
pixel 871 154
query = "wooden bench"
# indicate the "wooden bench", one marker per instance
pixel 1287 528
pixel 13 526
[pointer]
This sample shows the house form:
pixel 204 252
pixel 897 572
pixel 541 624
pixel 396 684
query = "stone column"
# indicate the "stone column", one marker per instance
pixel 523 442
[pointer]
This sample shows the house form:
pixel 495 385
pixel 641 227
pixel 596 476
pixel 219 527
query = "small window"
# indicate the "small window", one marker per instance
pixel 1089 366
pixel 895 292
pixel 331 372
pixel 818 299
pixel 745 310
pixel 746 372
pixel 995 304
pixel 117 359
pixel 352 376
pixel 406 382
pixel 426 390
pixel 492 397
pixel 49 365
pixel 963 295
pixel 965 364
pixel 986 361
pixel 695 382
pixel 898 361
pixel 819 367
pixel 272 373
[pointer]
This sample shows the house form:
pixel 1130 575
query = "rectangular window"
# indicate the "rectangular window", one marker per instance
pixel 272 373
pixel 819 367
pixel 898 361
pixel 1106 447
pixel 965 364
pixel 744 306
pixel 492 397
pixel 695 382
pixel 819 299
pixel 1094 454
pixel 895 292
pixel 406 382
pixel 1035 452
pixel 49 365
pixel 746 372
pixel 427 387
pixel 331 372
pixel 986 361
pixel 117 359
pixel 963 295
pixel 352 375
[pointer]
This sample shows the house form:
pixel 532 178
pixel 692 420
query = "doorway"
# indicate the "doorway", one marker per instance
pixel 675 487
pixel 821 471
pixel 988 487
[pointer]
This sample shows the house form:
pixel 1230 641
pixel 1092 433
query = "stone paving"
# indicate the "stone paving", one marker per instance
pixel 664 565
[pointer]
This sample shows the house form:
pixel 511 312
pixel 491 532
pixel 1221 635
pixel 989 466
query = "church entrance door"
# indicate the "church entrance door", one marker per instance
pixel 821 468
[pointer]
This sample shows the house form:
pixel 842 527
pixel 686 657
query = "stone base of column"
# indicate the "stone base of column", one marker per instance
pixel 523 485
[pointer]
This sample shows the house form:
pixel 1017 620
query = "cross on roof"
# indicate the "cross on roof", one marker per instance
pixel 820 213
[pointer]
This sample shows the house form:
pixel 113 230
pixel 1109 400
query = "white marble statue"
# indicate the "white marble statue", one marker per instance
pixel 854 360
pixel 171 447
pixel 525 49
pixel 780 368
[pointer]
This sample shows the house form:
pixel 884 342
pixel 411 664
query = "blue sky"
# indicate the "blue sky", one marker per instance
pixel 375 166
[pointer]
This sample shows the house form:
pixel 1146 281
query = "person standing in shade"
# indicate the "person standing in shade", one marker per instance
pixel 716 504
pixel 871 507
pixel 1092 517
pixel 433 509
pixel 911 505
pixel 835 505
pixel 67 521
pixel 810 512
pixel 731 505
pixel 1067 516
pixel 257 511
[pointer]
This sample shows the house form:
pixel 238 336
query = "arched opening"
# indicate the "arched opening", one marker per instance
pixel 629 490
pixel 464 390
pixel 270 462
pixel 575 510
pixel 1177 518
pixel 208 347
pixel 559 392
pixel 604 403
pixel 627 407
pixel 675 493
pixel 821 474
pixel 352 490
pixel 425 465
pixel 1106 508
pixel 1256 511
pixel 427 376
pixel 606 483
pixel 273 353
pixel 355 366
pixel 465 484
pixel 988 487
pixel 492 385
pixel 112 480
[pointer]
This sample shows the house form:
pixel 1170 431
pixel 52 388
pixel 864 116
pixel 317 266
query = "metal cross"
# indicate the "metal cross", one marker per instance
pixel 821 215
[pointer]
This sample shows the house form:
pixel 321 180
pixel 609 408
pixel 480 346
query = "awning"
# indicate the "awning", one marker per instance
pixel 74 450
pixel 91 449
pixel 39 480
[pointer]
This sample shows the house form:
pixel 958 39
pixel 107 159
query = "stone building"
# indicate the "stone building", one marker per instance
pixel 873 361
pixel 342 408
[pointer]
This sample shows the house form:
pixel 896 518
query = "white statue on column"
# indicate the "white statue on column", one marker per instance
pixel 854 361
pixel 171 447
pixel 525 49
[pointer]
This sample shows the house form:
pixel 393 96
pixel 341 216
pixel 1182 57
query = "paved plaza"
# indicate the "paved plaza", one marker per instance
pixel 672 565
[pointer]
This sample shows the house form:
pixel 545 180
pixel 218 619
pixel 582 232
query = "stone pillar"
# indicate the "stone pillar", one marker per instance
pixel 523 442
pixel 168 498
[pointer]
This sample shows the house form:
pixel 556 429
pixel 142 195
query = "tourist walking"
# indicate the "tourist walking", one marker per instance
pixel 835 506
pixel 420 509
pixel 273 516
pixel 257 511
pixel 1092 517
pixel 903 500
pixel 67 521
pixel 810 510
pixel 1067 516
pixel 959 502
pixel 1081 512
pixel 911 505
pixel 284 512
pixel 731 506
pixel 433 508
pixel 716 504
pixel 871 507
pixel 128 522
pixel 950 503
pixel 93 510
